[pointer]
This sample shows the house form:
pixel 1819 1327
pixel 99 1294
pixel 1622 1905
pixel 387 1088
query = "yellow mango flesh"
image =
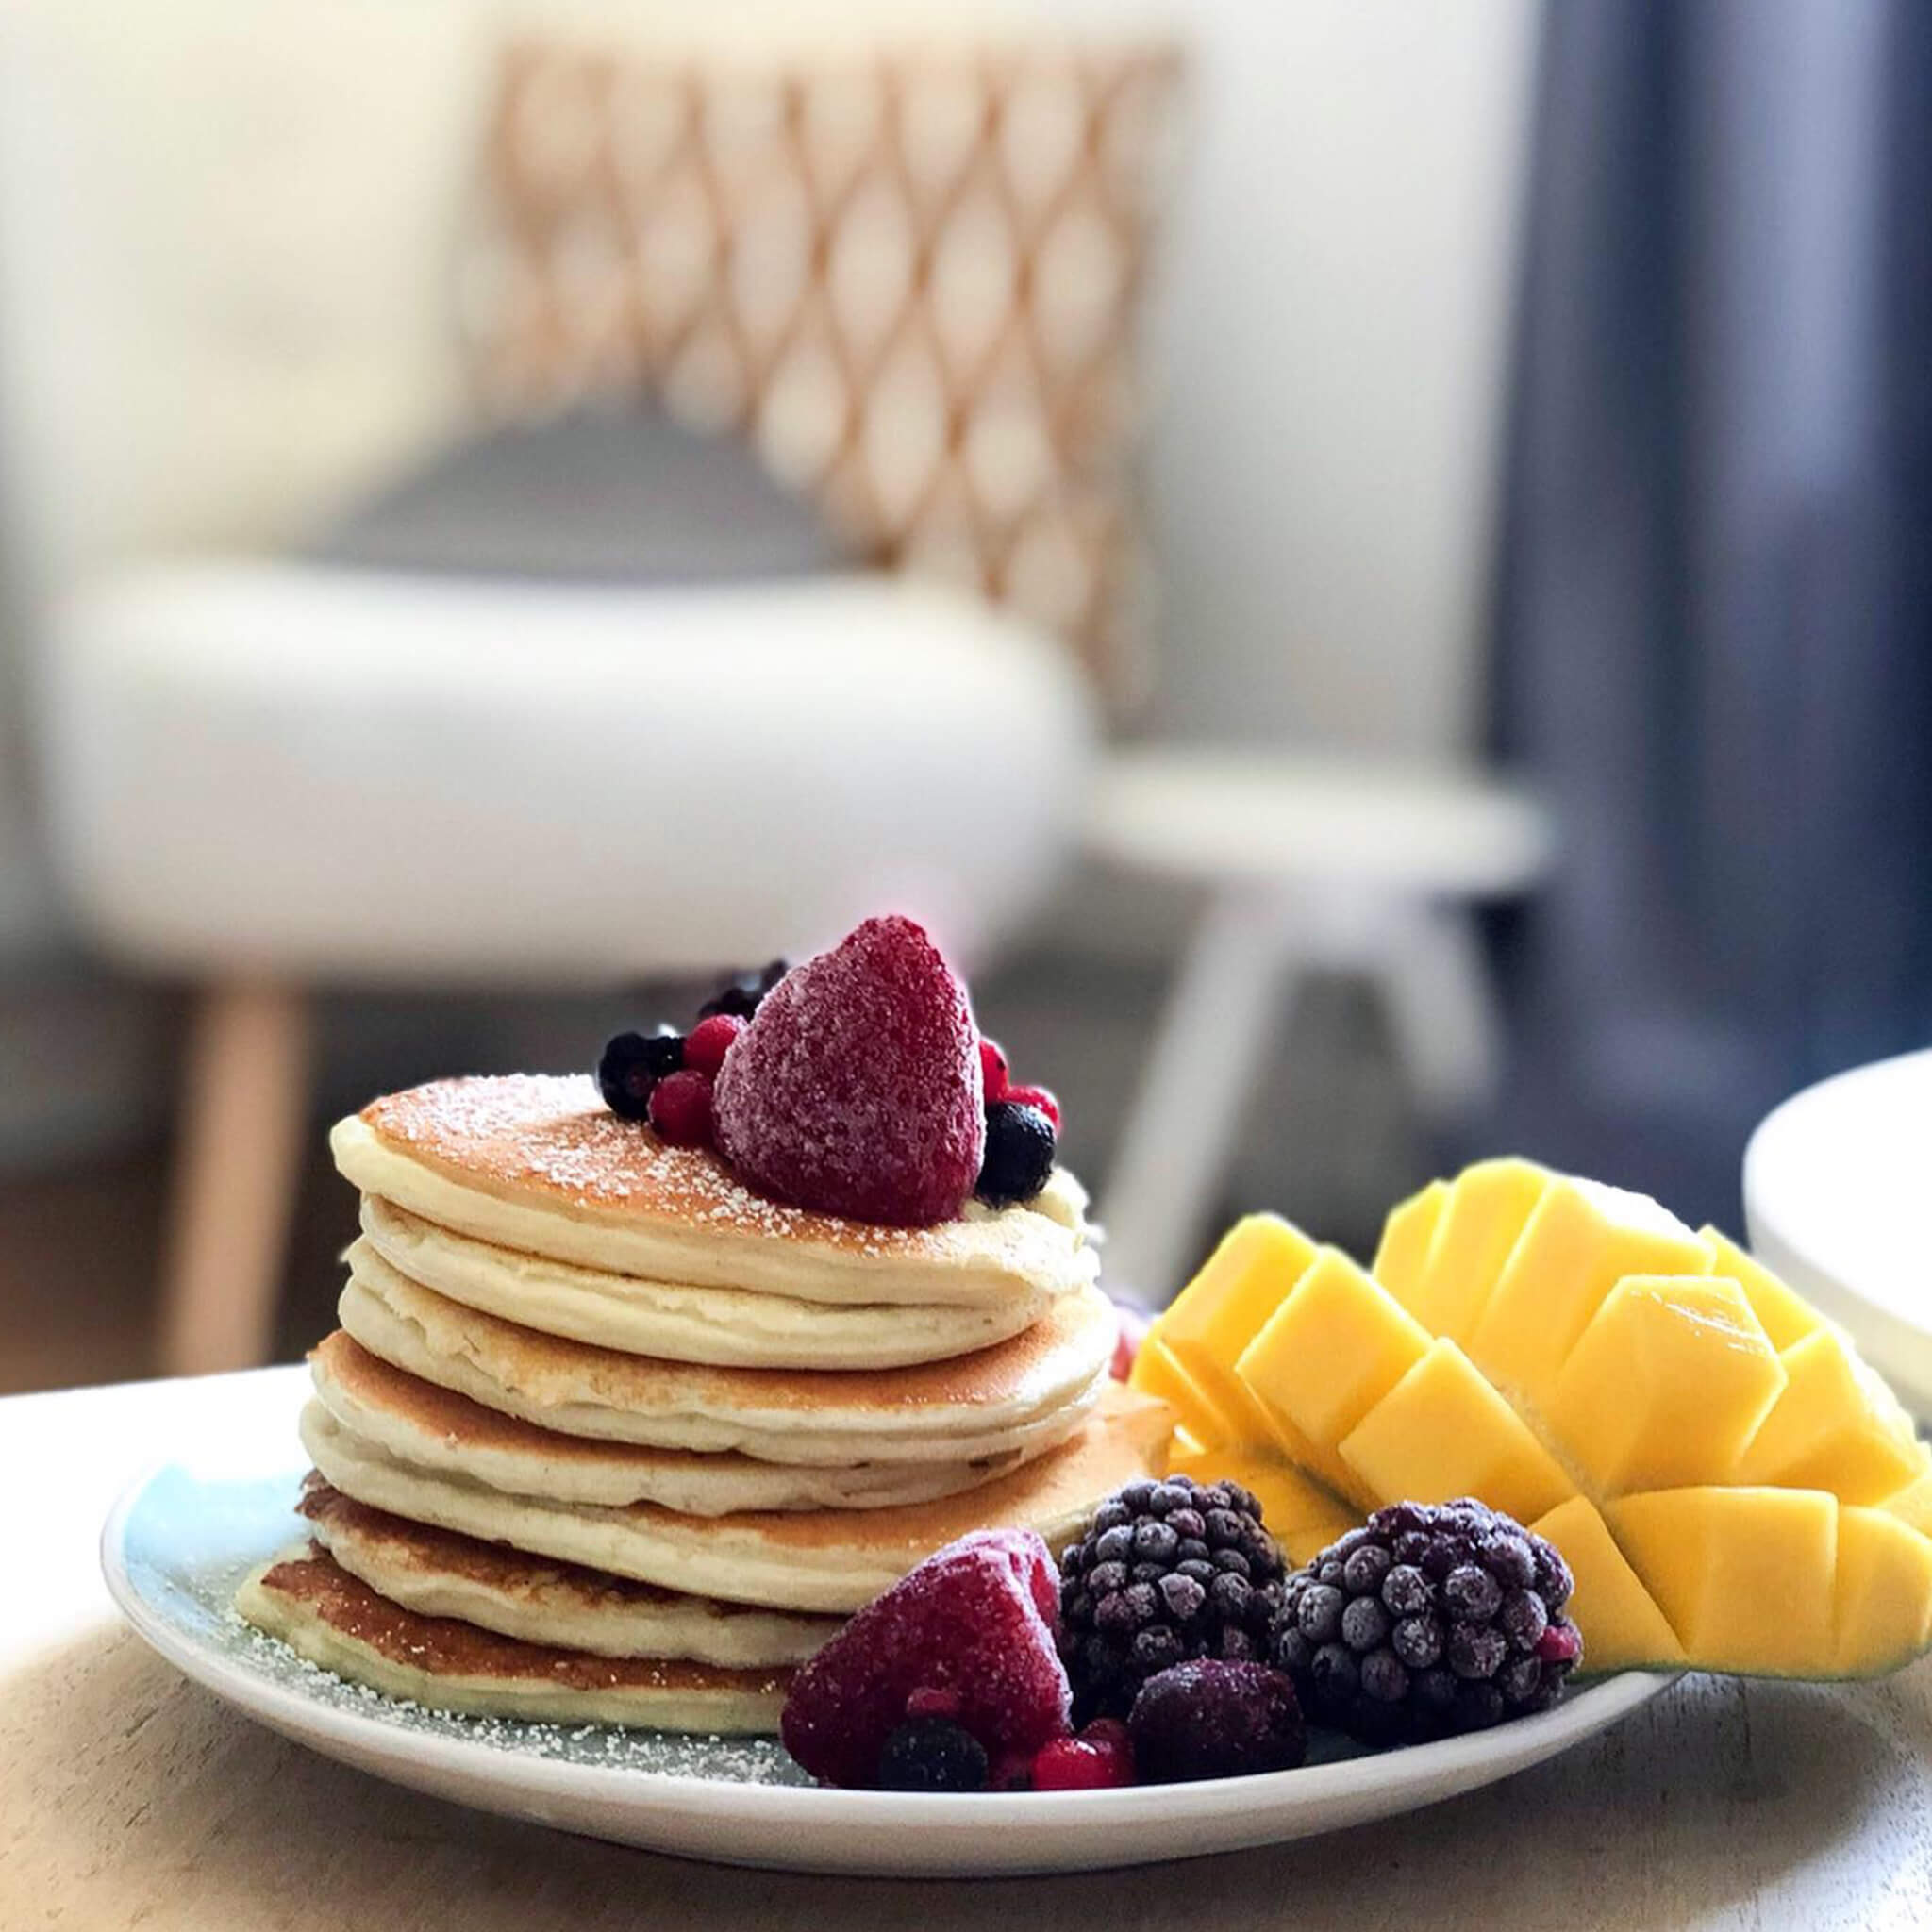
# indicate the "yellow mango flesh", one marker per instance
pixel 1332 1350
pixel 1221 1310
pixel 1836 1426
pixel 1783 1313
pixel 1582 1240
pixel 1884 1604
pixel 1728 1439
pixel 1913 1505
pixel 1407 1233
pixel 1479 1223
pixel 1621 1628
pixel 1745 1576
pixel 1666 1386
pixel 1442 1432
pixel 1155 1372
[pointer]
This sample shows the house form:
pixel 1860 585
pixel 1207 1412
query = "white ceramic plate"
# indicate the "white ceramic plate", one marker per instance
pixel 1835 1184
pixel 180 1540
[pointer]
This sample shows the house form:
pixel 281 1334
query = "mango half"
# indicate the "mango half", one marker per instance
pixel 1733 1488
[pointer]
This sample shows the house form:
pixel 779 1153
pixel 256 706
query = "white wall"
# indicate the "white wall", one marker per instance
pixel 1331 344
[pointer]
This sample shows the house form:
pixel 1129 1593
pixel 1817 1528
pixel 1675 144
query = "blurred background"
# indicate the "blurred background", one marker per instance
pixel 1363 563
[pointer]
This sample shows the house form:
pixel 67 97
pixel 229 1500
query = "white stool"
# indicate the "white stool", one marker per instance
pixel 1305 863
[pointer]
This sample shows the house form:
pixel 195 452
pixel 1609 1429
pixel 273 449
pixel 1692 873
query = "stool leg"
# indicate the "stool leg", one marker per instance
pixel 1222 1015
pixel 1441 1006
pixel 244 1107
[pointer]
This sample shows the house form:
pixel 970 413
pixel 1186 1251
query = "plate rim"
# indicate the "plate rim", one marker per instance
pixel 1421 1769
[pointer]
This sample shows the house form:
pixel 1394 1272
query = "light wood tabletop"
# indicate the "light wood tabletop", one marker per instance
pixel 130 1797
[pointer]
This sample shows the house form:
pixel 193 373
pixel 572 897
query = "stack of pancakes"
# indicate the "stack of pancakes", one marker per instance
pixel 605 1436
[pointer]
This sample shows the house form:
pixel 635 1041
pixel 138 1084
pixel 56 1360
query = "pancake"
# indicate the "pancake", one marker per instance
pixel 438 1574
pixel 436 1430
pixel 829 1560
pixel 538 1163
pixel 335 1620
pixel 1012 1399
pixel 729 1327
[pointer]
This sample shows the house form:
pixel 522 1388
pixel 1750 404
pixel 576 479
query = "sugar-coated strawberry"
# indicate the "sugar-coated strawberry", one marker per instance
pixel 970 1631
pixel 857 1090
pixel 1126 1348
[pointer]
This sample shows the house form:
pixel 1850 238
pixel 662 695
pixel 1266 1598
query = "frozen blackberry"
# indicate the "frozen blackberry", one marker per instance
pixel 1170 1571
pixel 740 995
pixel 1429 1619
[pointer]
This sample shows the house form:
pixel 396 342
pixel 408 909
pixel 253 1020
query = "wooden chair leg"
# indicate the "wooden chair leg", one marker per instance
pixel 244 1111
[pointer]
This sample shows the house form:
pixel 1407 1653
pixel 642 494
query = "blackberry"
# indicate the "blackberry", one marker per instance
pixel 1429 1619
pixel 1020 1147
pixel 1170 1571
pixel 631 1066
pixel 932 1754
pixel 739 994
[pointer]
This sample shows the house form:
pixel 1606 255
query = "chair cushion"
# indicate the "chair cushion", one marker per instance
pixel 285 768
pixel 620 494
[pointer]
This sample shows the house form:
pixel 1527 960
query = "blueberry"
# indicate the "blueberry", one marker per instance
pixel 1020 1147
pixel 631 1066
pixel 932 1754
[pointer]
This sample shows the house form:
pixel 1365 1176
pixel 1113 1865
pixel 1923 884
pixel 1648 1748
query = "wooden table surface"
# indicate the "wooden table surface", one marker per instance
pixel 130 1797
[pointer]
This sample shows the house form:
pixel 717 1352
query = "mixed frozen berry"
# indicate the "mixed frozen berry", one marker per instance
pixel 856 1084
pixel 1169 1635
pixel 642 1076
pixel 1023 1126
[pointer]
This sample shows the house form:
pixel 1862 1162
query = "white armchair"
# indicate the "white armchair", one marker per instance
pixel 266 776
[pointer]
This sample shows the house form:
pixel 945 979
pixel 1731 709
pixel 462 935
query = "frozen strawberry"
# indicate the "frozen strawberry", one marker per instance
pixel 970 1631
pixel 856 1088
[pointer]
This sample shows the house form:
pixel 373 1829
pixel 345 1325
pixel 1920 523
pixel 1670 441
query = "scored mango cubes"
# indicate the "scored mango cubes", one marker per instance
pixel 1835 1426
pixel 1744 1576
pixel 1332 1350
pixel 1666 1386
pixel 1407 1236
pixel 1218 1312
pixel 1733 1488
pixel 1622 1626
pixel 1581 1241
pixel 1473 1238
pixel 1443 1432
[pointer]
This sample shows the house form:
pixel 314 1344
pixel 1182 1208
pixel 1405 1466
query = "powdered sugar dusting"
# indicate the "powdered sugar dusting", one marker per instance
pixel 551 1135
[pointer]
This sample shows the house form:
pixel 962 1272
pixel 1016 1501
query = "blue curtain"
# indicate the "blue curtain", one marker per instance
pixel 1714 587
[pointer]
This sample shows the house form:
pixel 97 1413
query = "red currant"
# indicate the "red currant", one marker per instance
pixel 994 1069
pixel 1100 1758
pixel 1031 1096
pixel 709 1040
pixel 681 1108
